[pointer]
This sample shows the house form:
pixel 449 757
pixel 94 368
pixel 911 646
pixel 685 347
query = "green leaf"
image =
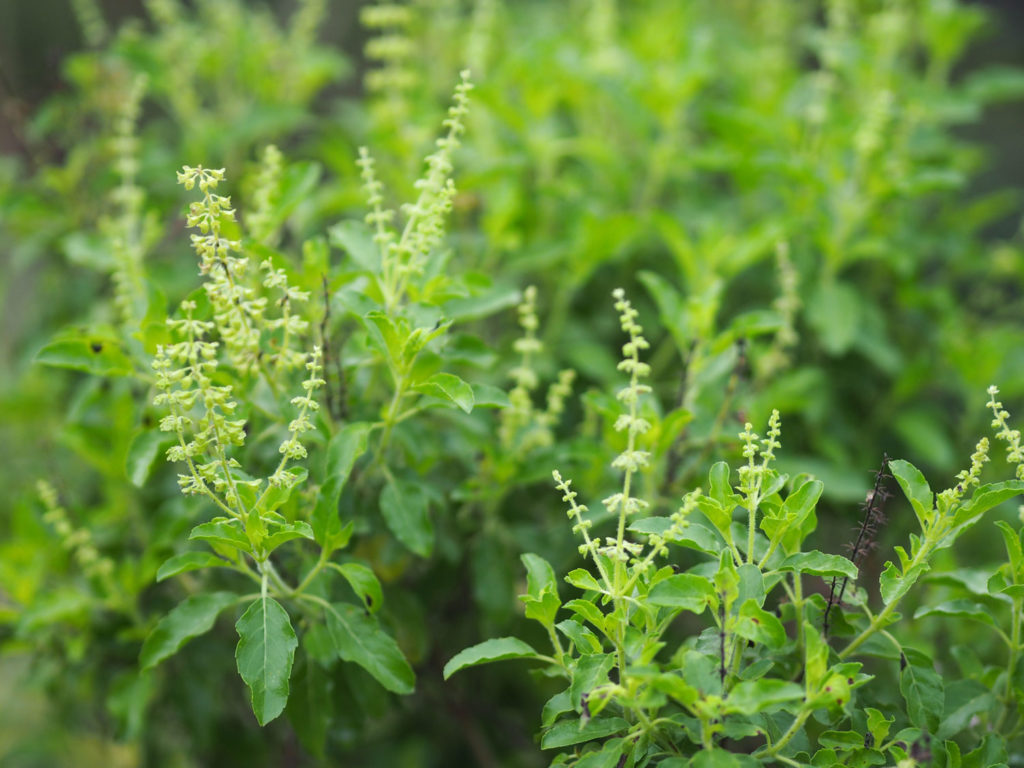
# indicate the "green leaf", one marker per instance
pixel 982 500
pixel 922 689
pixel 576 731
pixel 591 670
pixel 358 638
pixel 309 707
pixel 264 655
pixel 190 618
pixel 583 579
pixel 1014 552
pixel 683 590
pixel 959 719
pixel 498 649
pixel 146 447
pixel 915 488
pixel 486 396
pixel 356 239
pixel 364 583
pixel 587 611
pixel 765 695
pixel 893 586
pixel 834 311
pixel 540 576
pixel 841 740
pixel 279 533
pixel 95 353
pixel 819 564
pixel 405 508
pixel 581 636
pixel 447 386
pixel 342 452
pixel 226 532
pixel 879 724
pixel 188 561
pixel 963 609
pixel 760 626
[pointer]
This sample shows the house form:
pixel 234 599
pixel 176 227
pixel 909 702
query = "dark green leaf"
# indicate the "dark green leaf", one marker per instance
pixel 190 618
pixel 264 655
pixel 364 583
pixel 358 638
pixel 342 452
pixel 497 649
pixel 569 732
pixel 405 508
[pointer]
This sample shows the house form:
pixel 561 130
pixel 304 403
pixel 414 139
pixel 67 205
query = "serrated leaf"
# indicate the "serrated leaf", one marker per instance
pixel 188 561
pixel 264 656
pixel 406 510
pixel 190 618
pixel 359 638
pixel 893 586
pixel 343 451
pixel 922 689
pixel 820 564
pixel 591 670
pixel 497 649
pixel 760 626
pixel 686 591
pixel 448 386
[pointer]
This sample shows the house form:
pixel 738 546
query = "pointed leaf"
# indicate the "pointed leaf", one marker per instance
pixel 684 590
pixel 358 638
pixel 498 649
pixel 226 532
pixel 820 564
pixel 405 508
pixel 447 386
pixel 342 452
pixel 576 731
pixel 915 488
pixel 364 583
pixel 188 561
pixel 264 655
pixel 190 618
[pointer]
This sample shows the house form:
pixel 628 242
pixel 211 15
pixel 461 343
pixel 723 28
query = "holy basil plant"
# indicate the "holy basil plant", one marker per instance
pixel 715 636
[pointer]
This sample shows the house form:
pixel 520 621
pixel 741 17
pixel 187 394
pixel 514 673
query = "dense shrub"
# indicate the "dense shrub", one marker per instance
pixel 330 452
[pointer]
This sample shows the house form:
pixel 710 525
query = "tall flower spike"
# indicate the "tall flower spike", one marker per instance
pixel 631 459
pixel 1000 422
